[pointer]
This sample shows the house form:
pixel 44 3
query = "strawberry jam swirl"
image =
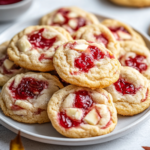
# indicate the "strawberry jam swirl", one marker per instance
pixel 125 87
pixel 38 41
pixel 79 20
pixel 4 70
pixel 28 88
pixel 101 38
pixel 83 101
pixel 136 62
pixel 86 61
pixel 116 30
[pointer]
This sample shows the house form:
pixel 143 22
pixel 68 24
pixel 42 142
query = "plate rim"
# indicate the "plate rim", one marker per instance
pixel 25 133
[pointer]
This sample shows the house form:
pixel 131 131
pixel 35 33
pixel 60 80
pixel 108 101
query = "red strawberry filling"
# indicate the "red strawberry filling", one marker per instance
pixel 84 101
pixel 146 95
pixel 101 38
pixel 38 41
pixel 67 122
pixel 7 2
pixel 115 30
pixel 6 71
pixel 65 13
pixel 136 62
pixel 86 61
pixel 125 87
pixel 16 107
pixel 27 88
pixel 43 57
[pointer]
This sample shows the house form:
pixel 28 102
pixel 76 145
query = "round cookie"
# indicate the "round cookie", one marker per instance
pixel 86 64
pixel 98 33
pixel 132 3
pixel 131 93
pixel 7 68
pixel 79 112
pixel 34 47
pixel 70 18
pixel 24 97
pixel 123 32
pixel 136 56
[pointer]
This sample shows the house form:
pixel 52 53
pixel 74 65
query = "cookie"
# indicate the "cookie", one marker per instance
pixel 98 33
pixel 24 97
pixel 79 112
pixel 123 32
pixel 34 47
pixel 136 56
pixel 86 64
pixel 70 18
pixel 131 93
pixel 132 3
pixel 7 67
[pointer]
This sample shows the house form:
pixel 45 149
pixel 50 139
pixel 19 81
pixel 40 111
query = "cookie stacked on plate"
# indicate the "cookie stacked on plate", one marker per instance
pixel 72 48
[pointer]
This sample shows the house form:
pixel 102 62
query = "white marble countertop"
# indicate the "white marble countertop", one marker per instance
pixel 138 18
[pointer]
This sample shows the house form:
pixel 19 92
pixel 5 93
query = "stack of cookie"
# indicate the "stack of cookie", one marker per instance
pixel 67 70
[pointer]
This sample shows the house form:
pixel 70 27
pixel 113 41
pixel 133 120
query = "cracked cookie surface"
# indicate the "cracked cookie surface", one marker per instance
pixel 7 67
pixel 86 64
pixel 34 47
pixel 24 97
pixel 123 32
pixel 70 18
pixel 100 34
pixel 78 112
pixel 131 93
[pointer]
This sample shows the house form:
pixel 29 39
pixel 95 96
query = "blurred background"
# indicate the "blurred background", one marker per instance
pixel 136 17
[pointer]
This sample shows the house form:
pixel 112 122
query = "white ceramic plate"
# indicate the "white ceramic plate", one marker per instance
pixel 45 132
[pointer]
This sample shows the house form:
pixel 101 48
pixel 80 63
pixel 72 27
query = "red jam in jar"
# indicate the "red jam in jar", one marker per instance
pixel 7 2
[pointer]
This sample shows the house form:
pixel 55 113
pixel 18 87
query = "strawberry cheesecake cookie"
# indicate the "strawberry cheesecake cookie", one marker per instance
pixel 131 93
pixel 123 32
pixel 70 18
pixel 7 67
pixel 34 47
pixel 136 56
pixel 98 33
pixel 24 97
pixel 78 112
pixel 132 3
pixel 86 64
